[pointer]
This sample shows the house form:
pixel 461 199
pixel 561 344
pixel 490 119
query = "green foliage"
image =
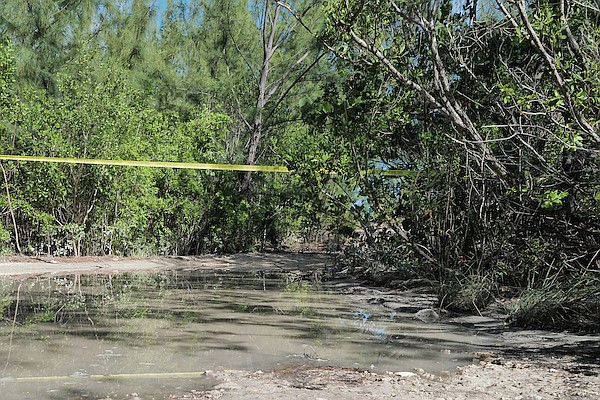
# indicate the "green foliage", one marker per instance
pixel 553 199
pixel 495 116
pixel 471 293
pixel 7 69
pixel 74 210
pixel 108 79
pixel 497 126
pixel 558 304
pixel 5 240
pixel 46 35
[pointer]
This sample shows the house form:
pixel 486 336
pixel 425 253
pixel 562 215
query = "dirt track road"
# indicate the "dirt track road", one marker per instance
pixel 27 266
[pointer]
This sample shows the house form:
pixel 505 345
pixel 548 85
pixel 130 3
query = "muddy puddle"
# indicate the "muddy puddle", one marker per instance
pixel 152 335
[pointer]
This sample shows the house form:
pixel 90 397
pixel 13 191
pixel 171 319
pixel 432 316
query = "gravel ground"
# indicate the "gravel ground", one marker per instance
pixel 492 379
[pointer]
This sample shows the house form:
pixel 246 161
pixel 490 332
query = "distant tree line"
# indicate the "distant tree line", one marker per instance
pixel 207 81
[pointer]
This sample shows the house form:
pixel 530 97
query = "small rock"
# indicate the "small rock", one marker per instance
pixel 427 315
pixel 405 374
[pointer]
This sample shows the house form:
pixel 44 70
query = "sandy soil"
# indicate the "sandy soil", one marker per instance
pixel 20 266
pixel 531 365
pixel 486 380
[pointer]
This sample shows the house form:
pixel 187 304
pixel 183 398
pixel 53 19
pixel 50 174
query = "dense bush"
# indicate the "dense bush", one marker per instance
pixel 63 209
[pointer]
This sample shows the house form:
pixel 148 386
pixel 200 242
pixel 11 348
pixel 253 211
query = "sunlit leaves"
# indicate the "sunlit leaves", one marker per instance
pixel 553 199
pixel 74 209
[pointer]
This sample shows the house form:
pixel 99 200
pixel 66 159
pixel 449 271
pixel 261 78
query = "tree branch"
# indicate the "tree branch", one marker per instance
pixel 551 64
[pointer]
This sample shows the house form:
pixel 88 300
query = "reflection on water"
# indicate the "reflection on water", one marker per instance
pixel 151 335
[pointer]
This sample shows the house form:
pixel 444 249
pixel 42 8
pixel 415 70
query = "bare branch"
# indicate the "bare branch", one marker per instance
pixel 551 64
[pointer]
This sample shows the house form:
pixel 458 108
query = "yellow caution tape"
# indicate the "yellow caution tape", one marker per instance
pixel 185 165
pixel 156 375
pixel 155 164
pixel 394 172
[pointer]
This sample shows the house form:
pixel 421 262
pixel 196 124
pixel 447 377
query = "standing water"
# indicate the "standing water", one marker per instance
pixel 153 335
